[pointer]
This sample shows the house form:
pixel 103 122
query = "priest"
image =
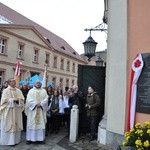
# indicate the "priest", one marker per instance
pixel 12 105
pixel 36 108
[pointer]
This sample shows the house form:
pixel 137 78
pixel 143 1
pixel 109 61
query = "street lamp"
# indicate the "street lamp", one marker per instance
pixel 89 47
pixel 99 61
pixel 90 44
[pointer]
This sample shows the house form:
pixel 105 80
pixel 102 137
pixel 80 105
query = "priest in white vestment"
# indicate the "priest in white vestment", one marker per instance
pixel 12 105
pixel 36 109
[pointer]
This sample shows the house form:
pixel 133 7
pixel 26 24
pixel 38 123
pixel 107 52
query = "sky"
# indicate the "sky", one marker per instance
pixel 65 18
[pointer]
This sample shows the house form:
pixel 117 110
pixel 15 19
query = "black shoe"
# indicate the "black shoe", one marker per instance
pixel 43 142
pixel 92 139
pixel 52 131
pixel 56 132
pixel 28 142
pixel 88 135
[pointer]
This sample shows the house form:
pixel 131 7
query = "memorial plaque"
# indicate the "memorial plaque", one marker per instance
pixel 143 87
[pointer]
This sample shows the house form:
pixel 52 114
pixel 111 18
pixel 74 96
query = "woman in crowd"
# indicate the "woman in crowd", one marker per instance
pixel 66 108
pixel 55 112
pixel 50 94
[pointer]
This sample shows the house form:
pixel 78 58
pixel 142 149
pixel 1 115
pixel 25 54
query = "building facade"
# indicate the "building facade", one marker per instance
pixel 33 46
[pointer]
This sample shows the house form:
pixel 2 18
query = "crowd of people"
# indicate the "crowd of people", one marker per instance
pixel 40 112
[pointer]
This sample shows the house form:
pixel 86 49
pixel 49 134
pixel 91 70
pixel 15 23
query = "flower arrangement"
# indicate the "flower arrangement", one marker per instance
pixel 138 136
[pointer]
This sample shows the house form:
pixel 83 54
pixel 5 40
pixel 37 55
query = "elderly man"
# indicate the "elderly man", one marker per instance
pixel 36 108
pixel 12 105
pixel 78 99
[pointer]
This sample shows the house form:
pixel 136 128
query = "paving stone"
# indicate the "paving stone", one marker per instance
pixel 58 141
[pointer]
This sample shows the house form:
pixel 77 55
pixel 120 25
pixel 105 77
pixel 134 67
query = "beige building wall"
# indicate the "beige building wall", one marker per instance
pixel 116 70
pixel 31 40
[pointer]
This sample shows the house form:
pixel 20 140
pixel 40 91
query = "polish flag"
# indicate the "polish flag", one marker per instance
pixel 17 71
pixel 137 66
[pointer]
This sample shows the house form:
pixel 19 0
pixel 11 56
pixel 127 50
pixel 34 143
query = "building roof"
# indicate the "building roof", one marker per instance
pixel 11 16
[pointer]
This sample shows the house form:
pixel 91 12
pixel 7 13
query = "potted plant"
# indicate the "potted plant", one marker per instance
pixel 138 137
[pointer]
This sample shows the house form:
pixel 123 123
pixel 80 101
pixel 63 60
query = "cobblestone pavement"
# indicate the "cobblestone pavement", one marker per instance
pixel 58 142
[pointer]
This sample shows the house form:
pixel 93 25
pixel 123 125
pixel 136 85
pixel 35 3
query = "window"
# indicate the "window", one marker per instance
pixel 1 77
pixel 63 47
pixel 47 77
pixel 35 55
pixel 62 64
pixel 47 58
pixel 55 62
pixel 34 73
pixel 20 51
pixel 67 82
pixel 72 82
pixel 68 65
pixel 74 53
pixel 54 81
pixel 3 46
pixel 73 67
pixel 61 83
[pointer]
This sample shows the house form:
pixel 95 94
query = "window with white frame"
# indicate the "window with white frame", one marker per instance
pixel 73 67
pixel 3 45
pixel 55 62
pixel 20 51
pixel 47 58
pixel 1 77
pixel 62 64
pixel 72 82
pixel 68 65
pixel 35 55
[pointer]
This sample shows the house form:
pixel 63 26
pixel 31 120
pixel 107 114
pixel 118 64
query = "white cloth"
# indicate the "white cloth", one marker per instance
pixel 66 102
pixel 9 138
pixel 11 116
pixel 35 135
pixel 36 117
pixel 61 107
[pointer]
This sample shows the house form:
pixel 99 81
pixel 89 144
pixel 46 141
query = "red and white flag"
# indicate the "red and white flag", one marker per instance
pixel 137 66
pixel 17 71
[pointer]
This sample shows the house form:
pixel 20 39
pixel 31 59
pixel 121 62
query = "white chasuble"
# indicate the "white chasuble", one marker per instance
pixel 36 116
pixel 11 116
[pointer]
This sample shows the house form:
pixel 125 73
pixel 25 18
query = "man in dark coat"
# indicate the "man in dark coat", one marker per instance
pixel 92 105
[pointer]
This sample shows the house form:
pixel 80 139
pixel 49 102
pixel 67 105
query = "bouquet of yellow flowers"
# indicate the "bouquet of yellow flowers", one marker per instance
pixel 138 136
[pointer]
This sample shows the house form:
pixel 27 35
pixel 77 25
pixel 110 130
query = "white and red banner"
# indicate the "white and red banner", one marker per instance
pixel 17 71
pixel 137 66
